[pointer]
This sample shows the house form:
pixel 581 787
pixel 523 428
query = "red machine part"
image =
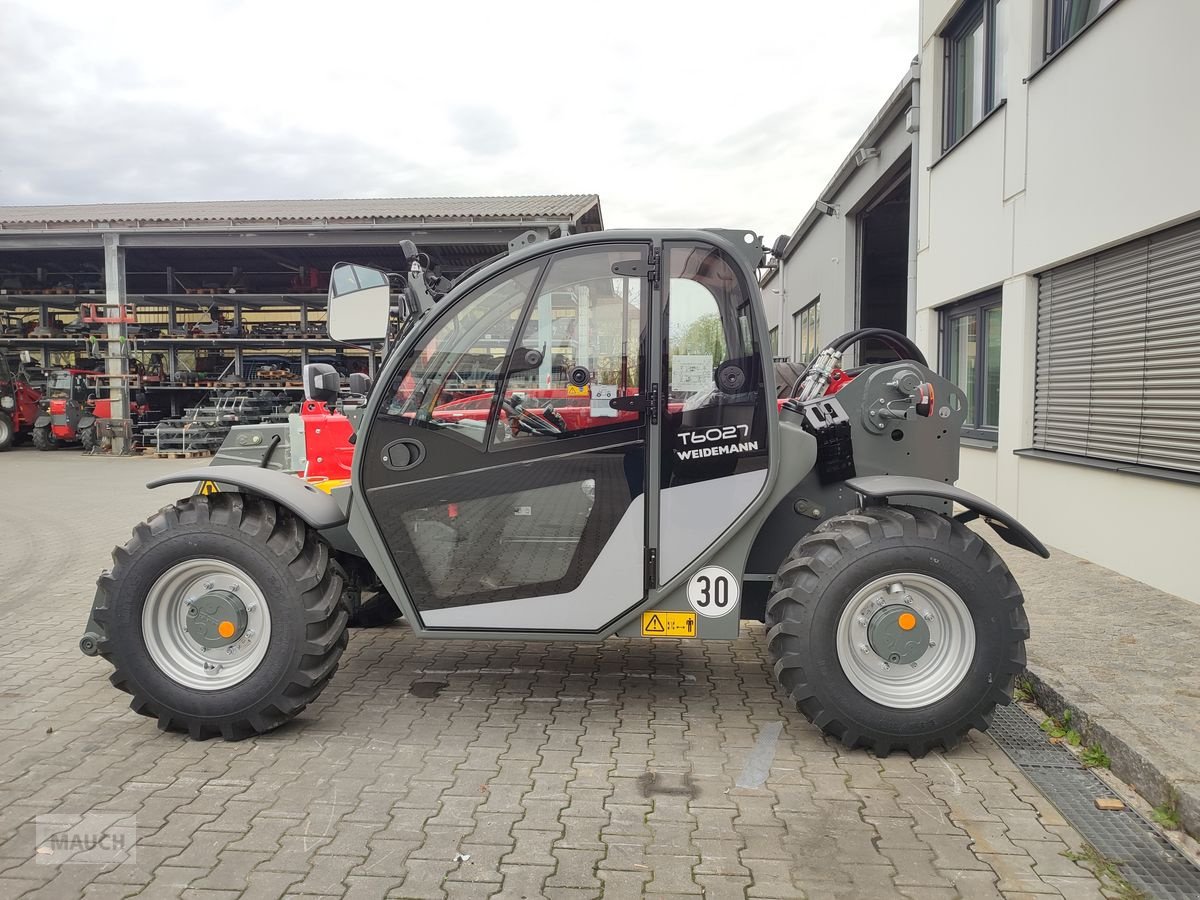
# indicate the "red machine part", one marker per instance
pixel 327 446
pixel 27 402
pixel 838 379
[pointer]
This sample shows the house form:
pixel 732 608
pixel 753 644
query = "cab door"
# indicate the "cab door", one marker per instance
pixel 715 428
pixel 507 485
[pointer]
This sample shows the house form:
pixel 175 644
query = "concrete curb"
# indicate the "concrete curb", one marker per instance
pixel 1132 760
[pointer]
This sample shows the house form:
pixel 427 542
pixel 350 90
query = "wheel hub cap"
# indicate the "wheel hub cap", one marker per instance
pixel 206 624
pixel 905 640
pixel 896 634
pixel 216 619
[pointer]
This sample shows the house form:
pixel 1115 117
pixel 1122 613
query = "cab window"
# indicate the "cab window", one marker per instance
pixel 579 346
pixel 449 379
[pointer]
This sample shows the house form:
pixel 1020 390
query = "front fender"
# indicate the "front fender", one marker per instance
pixel 42 421
pixel 880 487
pixel 315 507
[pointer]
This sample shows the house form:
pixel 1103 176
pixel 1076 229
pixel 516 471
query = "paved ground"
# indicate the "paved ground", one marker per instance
pixel 561 771
pixel 1123 655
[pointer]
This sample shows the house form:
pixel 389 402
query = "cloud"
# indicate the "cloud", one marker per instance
pixel 675 113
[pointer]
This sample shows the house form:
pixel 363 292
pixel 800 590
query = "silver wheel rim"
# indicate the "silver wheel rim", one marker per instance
pixel 4 430
pixel 183 659
pixel 939 670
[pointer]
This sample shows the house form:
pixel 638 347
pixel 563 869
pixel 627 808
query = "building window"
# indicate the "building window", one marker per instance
pixel 1118 354
pixel 976 46
pixel 806 332
pixel 1066 18
pixel 971 359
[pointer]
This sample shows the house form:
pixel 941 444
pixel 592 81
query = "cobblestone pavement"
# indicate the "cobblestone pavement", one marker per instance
pixel 471 769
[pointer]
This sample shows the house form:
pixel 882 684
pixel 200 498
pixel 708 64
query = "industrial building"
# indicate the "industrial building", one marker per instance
pixel 164 304
pixel 1053 266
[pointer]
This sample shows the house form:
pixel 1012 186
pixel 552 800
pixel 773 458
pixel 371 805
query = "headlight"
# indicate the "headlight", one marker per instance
pixel 7 402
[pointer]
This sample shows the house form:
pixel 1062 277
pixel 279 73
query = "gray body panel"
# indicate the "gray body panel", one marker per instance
pixel 315 507
pixel 881 487
pixel 690 517
pixel 604 594
pixel 246 445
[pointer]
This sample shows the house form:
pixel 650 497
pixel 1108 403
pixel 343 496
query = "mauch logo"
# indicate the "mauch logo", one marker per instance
pixel 90 838
pixel 712 442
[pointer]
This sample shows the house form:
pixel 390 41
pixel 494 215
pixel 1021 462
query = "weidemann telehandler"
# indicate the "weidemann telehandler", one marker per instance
pixel 584 438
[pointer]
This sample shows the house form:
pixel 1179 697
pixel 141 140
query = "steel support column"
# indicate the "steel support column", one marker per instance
pixel 116 355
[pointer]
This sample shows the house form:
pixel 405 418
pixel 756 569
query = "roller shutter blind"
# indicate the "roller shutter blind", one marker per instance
pixel 1118 354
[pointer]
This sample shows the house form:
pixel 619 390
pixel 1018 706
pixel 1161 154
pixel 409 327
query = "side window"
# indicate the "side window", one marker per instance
pixel 449 379
pixel 579 346
pixel 716 415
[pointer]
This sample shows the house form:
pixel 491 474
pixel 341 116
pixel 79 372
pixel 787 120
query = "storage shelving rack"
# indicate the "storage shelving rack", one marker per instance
pixel 263 264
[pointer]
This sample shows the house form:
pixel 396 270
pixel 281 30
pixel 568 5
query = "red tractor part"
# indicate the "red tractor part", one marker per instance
pixel 327 448
pixel 20 404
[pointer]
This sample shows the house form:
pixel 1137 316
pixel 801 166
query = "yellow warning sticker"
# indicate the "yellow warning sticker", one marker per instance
pixel 668 624
pixel 208 487
pixel 576 391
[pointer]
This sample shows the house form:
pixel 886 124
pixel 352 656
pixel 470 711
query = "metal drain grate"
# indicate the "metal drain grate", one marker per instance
pixel 1146 859
pixel 1025 743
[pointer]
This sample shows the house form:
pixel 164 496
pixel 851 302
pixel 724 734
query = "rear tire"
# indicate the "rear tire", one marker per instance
pixel 286 567
pixel 43 439
pixel 381 609
pixel 8 434
pixel 822 607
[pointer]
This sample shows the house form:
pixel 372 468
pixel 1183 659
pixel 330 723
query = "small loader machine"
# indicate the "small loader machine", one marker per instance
pixel 69 410
pixel 584 438
pixel 20 402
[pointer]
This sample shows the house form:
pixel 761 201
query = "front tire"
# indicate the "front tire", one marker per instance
pixel 8 434
pixel 896 628
pixel 87 438
pixel 43 439
pixel 269 574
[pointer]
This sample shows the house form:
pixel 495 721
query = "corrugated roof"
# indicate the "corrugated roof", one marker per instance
pixel 400 209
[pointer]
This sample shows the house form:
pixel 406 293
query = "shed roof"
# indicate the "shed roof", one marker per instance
pixel 392 210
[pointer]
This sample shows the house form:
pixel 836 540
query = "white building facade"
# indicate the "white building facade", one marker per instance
pixel 1058 266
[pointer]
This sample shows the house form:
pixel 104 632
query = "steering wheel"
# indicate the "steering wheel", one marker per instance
pixel 553 417
pixel 520 419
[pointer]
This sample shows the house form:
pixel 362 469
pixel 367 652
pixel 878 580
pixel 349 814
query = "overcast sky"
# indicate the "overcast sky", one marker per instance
pixel 675 113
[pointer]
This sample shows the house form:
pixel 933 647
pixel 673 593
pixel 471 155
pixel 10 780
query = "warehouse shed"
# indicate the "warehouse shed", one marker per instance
pixel 166 302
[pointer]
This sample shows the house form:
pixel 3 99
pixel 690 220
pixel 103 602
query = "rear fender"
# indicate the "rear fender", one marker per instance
pixel 314 507
pixel 879 488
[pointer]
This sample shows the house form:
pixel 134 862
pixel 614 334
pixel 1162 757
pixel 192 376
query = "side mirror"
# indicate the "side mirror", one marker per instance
pixel 360 301
pixel 321 382
pixel 780 246
pixel 360 383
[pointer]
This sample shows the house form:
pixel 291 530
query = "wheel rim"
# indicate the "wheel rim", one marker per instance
pixel 913 669
pixel 5 430
pixel 174 638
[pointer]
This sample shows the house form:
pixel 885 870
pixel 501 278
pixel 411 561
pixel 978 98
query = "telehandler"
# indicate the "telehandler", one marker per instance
pixel 630 470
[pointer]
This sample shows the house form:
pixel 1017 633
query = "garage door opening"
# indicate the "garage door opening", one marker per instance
pixel 883 267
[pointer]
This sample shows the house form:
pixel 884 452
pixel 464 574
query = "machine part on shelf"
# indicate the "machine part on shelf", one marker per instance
pixel 490 495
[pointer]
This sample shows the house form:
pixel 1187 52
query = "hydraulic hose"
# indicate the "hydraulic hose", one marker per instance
pixel 828 358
